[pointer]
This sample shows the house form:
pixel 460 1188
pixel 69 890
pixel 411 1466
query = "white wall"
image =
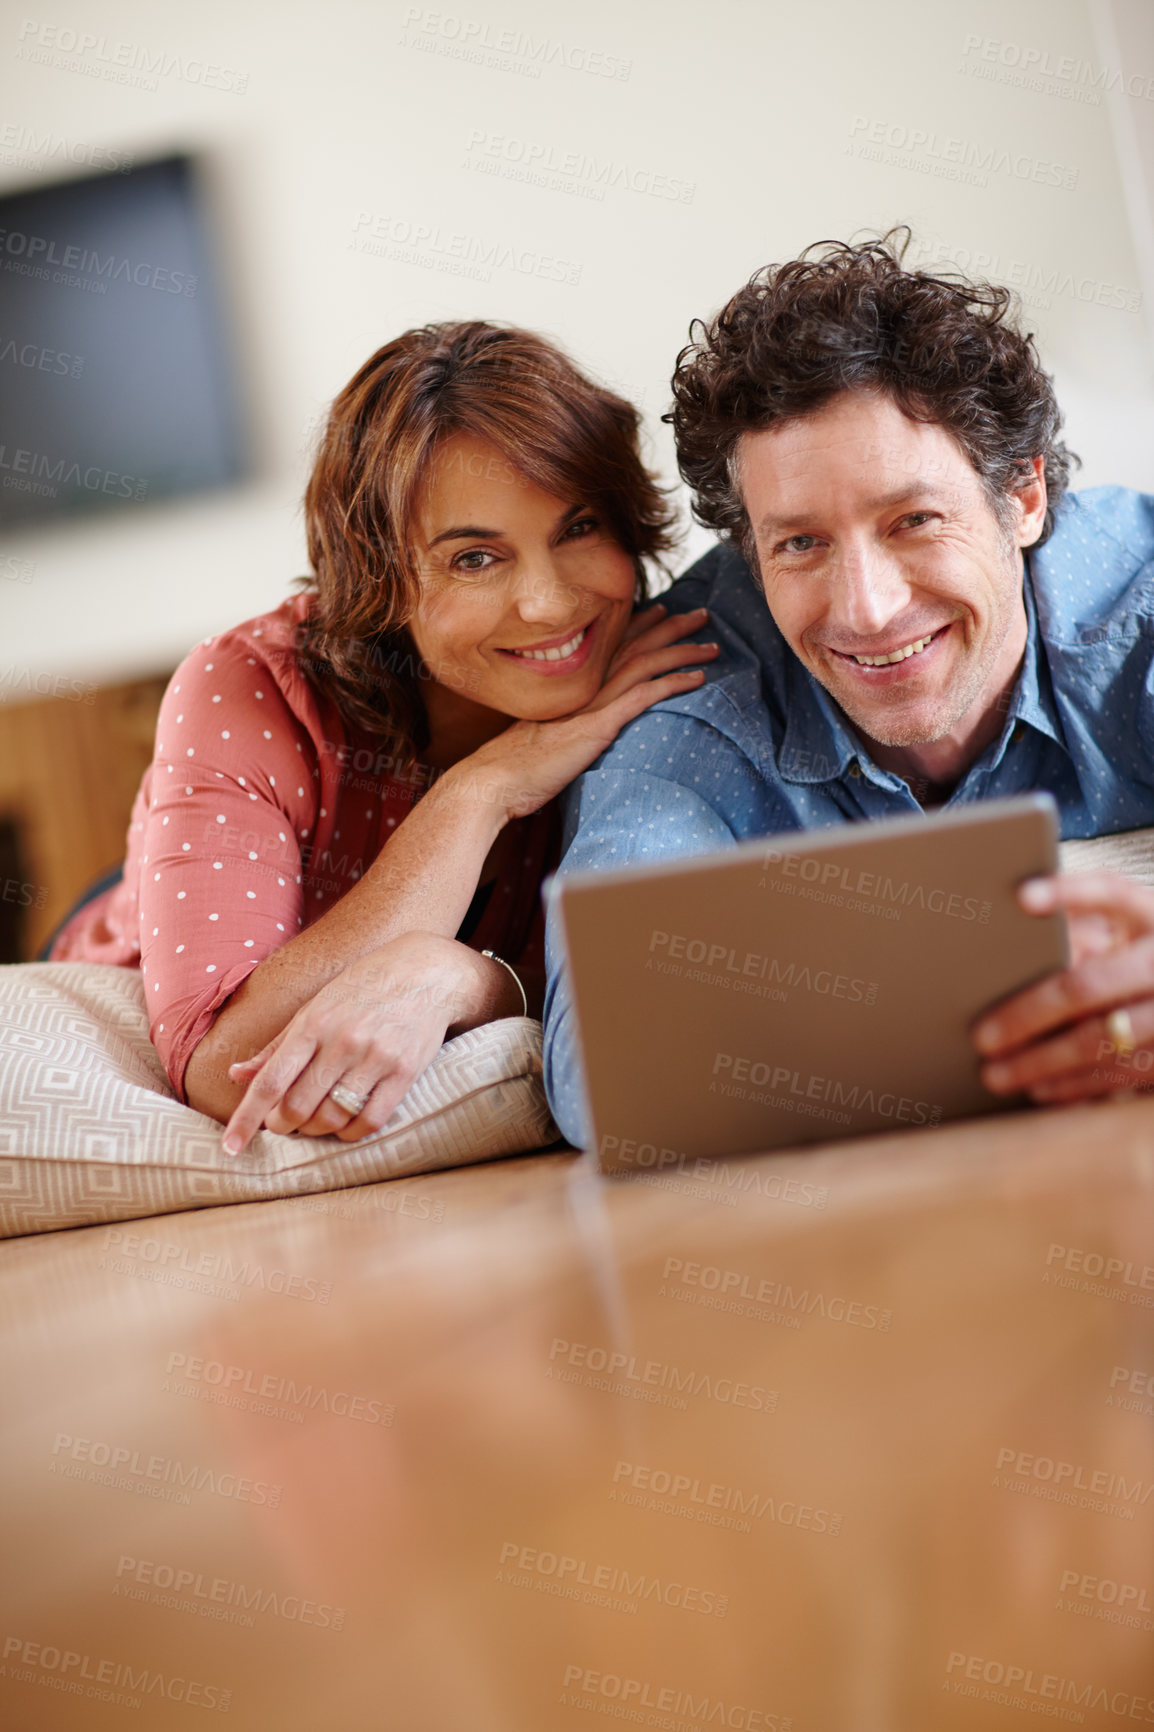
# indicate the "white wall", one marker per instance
pixel 777 124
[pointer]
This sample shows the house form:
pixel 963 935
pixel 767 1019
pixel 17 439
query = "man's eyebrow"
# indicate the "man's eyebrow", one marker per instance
pixel 918 487
pixel 472 531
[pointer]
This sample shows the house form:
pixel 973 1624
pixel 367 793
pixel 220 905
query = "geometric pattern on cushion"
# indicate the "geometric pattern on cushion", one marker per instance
pixel 90 1130
pixel 1130 852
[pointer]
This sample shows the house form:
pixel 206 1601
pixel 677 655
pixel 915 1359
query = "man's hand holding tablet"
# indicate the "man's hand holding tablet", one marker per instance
pixel 1089 1030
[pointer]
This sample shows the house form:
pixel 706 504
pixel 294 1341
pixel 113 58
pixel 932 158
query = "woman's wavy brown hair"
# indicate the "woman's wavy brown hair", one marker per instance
pixel 852 319
pixel 569 436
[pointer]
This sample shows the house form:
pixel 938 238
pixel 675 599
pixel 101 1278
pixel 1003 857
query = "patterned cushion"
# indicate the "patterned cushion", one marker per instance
pixel 1131 852
pixel 90 1130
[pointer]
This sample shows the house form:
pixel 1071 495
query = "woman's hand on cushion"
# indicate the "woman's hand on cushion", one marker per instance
pixel 531 762
pixel 373 1029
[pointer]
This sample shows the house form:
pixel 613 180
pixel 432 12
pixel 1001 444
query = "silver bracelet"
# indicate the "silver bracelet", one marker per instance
pixel 493 957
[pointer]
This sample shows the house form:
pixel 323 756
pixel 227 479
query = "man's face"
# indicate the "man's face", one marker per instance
pixel 876 539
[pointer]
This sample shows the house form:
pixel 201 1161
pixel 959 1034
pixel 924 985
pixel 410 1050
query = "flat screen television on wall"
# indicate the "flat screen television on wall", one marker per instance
pixel 116 385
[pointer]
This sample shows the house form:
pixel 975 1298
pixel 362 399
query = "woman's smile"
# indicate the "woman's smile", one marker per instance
pixel 557 655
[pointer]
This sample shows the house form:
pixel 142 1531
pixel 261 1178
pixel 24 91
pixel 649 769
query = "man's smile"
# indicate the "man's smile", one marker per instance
pixel 887 661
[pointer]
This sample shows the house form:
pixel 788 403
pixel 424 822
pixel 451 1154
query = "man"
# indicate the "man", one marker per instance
pixel 878 449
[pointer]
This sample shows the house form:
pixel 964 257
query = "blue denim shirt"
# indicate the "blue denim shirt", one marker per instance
pixel 761 747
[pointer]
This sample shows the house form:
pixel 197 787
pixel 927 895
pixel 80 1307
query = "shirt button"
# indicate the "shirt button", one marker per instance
pixel 1018 734
pixel 855 768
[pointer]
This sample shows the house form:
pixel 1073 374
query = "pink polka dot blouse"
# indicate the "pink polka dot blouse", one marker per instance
pixel 261 808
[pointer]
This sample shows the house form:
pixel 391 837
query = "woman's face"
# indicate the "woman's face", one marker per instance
pixel 524 597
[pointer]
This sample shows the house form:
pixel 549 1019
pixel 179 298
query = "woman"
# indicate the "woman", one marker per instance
pixel 335 857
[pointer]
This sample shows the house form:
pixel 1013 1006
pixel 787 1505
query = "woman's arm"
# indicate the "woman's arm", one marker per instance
pixel 355 1004
pixel 422 880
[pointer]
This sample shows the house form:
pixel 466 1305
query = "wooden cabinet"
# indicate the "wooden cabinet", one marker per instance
pixel 69 771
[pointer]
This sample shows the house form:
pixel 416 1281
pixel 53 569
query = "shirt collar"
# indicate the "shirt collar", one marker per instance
pixel 1032 700
pixel 817 746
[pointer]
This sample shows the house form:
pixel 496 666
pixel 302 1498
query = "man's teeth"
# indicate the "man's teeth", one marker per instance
pixel 898 655
pixel 558 654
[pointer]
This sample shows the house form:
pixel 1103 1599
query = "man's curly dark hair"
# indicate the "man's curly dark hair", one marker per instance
pixel 851 318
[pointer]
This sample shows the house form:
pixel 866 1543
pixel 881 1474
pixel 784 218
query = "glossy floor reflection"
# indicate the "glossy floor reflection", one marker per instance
pixel 855 1440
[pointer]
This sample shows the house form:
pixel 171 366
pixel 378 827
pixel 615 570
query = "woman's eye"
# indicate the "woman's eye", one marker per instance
pixel 582 527
pixel 476 559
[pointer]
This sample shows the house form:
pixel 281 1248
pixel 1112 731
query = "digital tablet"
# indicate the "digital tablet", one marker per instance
pixel 804 987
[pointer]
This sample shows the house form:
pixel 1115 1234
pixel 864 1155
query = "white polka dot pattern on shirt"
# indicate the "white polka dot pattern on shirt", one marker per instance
pixel 273 752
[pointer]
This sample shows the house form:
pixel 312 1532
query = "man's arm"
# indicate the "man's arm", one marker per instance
pixel 1088 1030
pixel 618 817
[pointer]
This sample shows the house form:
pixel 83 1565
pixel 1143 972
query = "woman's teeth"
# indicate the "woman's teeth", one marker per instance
pixel 559 653
pixel 898 655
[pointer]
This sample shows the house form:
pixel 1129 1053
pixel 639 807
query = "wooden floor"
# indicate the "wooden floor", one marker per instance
pixel 857 1440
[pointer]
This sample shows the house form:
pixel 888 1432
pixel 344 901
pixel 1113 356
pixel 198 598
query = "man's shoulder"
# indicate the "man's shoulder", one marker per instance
pixel 740 697
pixel 1098 564
pixel 719 578
pixel 739 619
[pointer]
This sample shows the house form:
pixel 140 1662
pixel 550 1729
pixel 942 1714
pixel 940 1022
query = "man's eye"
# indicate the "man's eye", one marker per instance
pixel 798 544
pixel 915 519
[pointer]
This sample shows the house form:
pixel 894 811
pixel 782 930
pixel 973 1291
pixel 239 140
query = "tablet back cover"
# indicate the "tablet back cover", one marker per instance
pixel 805 987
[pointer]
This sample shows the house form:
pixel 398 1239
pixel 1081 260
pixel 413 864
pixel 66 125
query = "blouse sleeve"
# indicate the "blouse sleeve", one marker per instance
pixel 233 788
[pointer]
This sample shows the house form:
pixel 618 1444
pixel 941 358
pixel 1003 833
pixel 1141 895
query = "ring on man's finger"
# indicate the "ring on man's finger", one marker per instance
pixel 1121 1032
pixel 344 1097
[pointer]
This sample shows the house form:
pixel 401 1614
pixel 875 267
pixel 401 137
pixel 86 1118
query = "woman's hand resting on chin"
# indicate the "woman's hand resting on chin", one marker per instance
pixel 531 762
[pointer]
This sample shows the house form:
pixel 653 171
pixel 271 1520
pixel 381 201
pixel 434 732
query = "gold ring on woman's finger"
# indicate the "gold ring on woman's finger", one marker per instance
pixel 1121 1032
pixel 344 1097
